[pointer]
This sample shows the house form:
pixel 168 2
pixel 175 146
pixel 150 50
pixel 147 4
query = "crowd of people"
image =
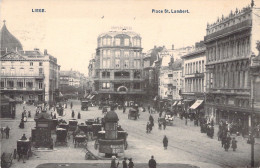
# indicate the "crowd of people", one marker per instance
pixel 130 164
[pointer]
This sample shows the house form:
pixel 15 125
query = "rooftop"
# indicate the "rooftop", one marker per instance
pixel 8 41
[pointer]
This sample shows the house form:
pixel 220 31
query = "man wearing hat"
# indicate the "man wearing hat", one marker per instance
pixel 152 163
pixel 113 162
pixel 124 163
pixel 131 163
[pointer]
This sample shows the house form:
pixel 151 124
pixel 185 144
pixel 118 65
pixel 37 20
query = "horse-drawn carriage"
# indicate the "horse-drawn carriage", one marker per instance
pixel 133 114
pixel 84 105
pixel 169 119
pixel 24 148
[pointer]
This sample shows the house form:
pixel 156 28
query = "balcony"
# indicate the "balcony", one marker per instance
pixel 12 75
pixel 21 88
pixel 194 75
pixel 229 91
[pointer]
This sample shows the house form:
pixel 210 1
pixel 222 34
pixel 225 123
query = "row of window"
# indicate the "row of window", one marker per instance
pixel 22 63
pixel 194 67
pixel 229 50
pixel 194 85
pixel 106 41
pixel 126 64
pixel 231 79
pixel 20 84
pixel 107 85
pixel 118 53
pixel 106 74
pixel 20 71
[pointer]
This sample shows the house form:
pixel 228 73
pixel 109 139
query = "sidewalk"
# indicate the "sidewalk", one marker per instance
pixel 190 125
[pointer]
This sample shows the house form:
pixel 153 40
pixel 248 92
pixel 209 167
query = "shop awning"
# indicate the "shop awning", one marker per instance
pixel 188 100
pixel 9 98
pixel 196 104
pixel 92 97
pixel 179 103
pixel 175 103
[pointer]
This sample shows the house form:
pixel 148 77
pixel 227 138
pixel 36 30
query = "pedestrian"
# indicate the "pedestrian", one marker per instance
pixel 7 130
pixel 234 144
pixel 113 162
pixel 131 163
pixel 54 116
pixel 165 142
pixel 152 162
pixel 79 115
pixel 2 132
pixel 148 127
pixel 227 143
pixel 164 125
pixel 149 109
pixel 73 114
pixel 151 120
pixel 71 105
pixel 21 124
pixel 124 108
pixel 124 163
pixel 29 114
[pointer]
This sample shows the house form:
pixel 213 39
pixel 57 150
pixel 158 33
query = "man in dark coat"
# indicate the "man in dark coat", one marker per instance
pixel 72 114
pixel 124 163
pixel 7 130
pixel 152 163
pixel 165 142
pixel 131 163
pixel 151 120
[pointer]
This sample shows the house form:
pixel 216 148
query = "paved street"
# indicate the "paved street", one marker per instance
pixel 186 144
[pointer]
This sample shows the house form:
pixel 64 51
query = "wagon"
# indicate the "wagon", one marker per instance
pixel 24 148
pixel 133 113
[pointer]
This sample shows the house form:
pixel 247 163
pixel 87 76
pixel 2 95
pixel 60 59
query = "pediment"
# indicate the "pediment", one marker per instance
pixel 12 56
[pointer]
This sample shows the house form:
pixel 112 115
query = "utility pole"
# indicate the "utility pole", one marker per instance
pixel 252 140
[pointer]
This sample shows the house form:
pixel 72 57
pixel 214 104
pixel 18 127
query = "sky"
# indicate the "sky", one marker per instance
pixel 68 29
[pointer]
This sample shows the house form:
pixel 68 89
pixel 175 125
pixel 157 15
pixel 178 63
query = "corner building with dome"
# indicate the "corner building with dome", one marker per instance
pixel 119 66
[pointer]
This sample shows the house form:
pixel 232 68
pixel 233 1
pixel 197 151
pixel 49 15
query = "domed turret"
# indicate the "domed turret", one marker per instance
pixel 111 116
pixel 8 41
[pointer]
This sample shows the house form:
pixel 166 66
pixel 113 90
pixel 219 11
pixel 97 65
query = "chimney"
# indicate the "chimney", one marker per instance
pixel 45 52
pixel 172 46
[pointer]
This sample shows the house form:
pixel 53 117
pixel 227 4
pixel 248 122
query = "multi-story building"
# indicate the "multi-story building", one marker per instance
pixel 118 66
pixel 177 80
pixel 193 76
pixel 27 75
pixel 231 43
pixel 91 73
pixel 165 79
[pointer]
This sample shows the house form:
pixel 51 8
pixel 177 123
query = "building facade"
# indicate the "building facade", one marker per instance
pixel 193 76
pixel 231 43
pixel 30 76
pixel 177 80
pixel 118 66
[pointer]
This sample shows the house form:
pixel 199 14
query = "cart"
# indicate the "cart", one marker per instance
pixel 24 148
pixel 133 114
pixel 61 136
